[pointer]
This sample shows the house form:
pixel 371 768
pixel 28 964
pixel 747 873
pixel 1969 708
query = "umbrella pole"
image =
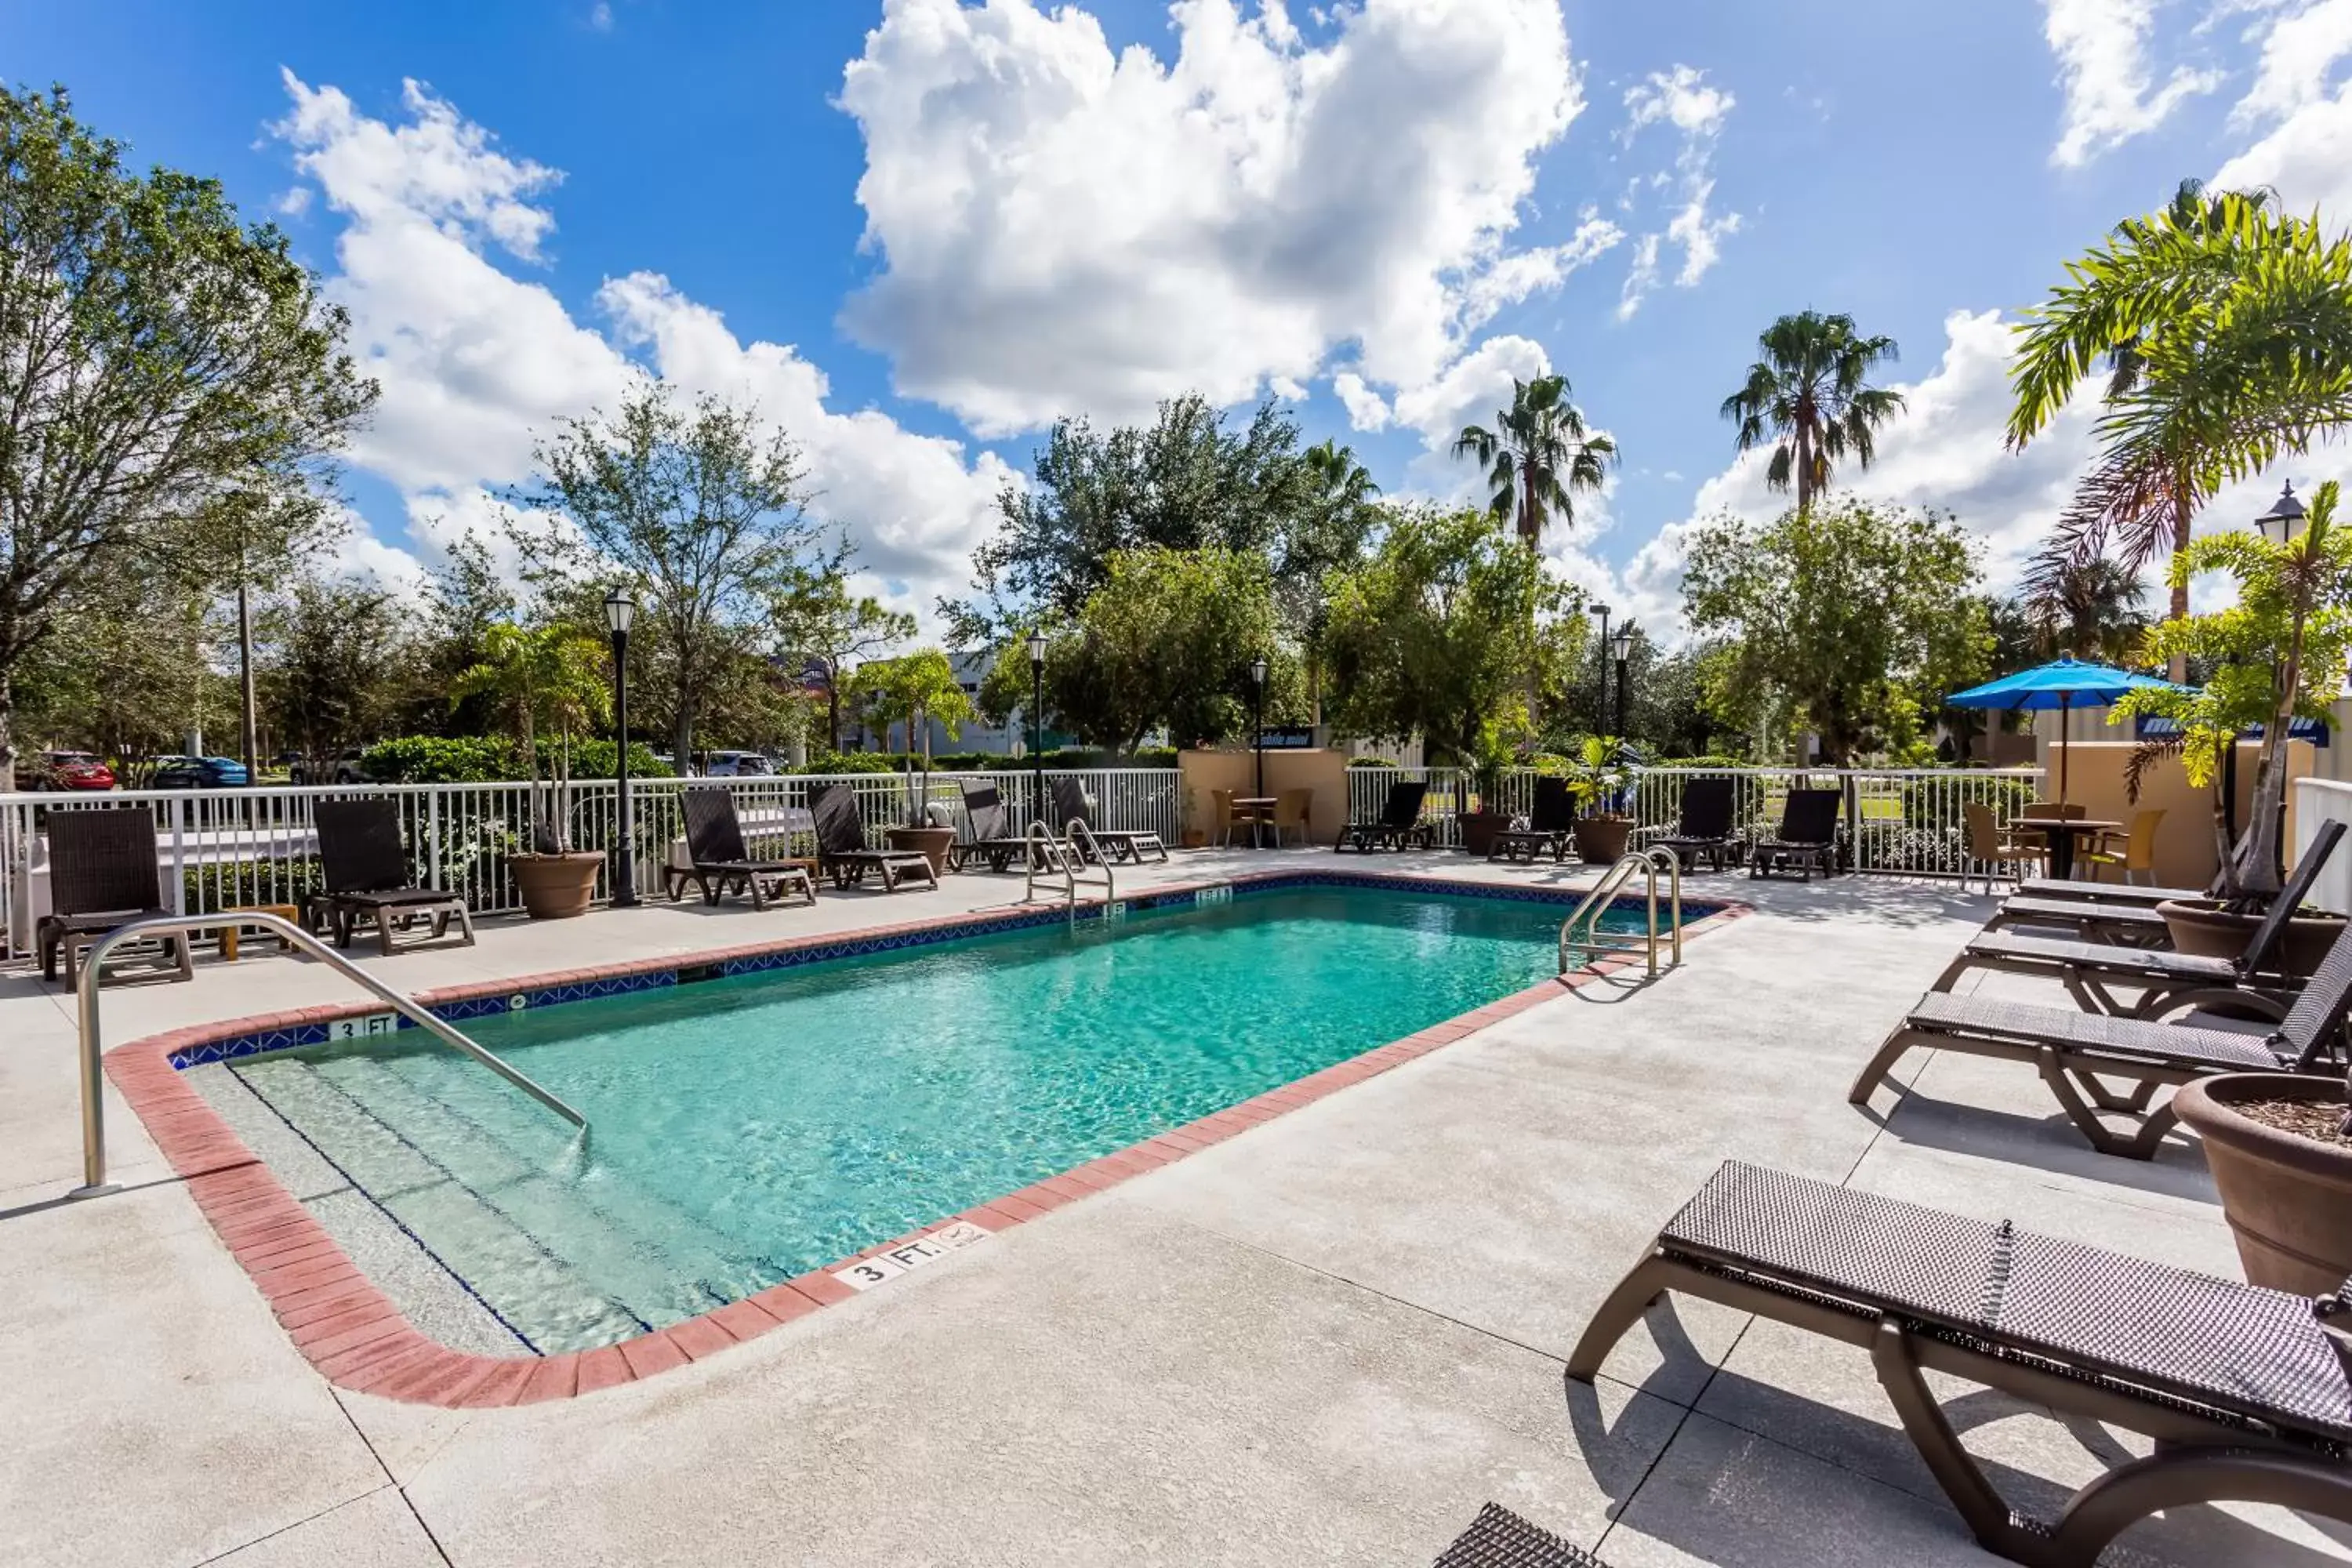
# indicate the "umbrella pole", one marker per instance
pixel 2065 740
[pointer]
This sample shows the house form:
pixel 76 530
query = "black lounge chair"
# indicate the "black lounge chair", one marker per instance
pixel 841 851
pixel 363 871
pixel 2240 1387
pixel 1705 826
pixel 104 873
pixel 992 838
pixel 1071 805
pixel 717 860
pixel 1398 827
pixel 1552 823
pixel 2101 893
pixel 1807 836
pixel 2074 1050
pixel 2137 925
pixel 1499 1538
pixel 2163 980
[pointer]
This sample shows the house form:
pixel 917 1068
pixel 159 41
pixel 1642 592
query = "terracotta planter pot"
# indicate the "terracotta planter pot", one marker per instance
pixel 1600 840
pixel 931 842
pixel 1479 827
pixel 2288 1199
pixel 556 887
pixel 2203 930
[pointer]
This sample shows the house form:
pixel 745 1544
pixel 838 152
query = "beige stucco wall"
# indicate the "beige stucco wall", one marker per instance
pixel 1325 772
pixel 2184 850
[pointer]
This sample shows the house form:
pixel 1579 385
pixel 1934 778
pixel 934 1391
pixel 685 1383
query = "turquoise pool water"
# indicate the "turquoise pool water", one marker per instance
pixel 749 1129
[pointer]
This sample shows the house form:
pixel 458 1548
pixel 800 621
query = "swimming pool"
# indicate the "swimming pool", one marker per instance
pixel 749 1129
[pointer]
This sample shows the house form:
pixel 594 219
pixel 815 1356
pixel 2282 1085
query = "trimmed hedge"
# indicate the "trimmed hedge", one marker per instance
pixel 492 758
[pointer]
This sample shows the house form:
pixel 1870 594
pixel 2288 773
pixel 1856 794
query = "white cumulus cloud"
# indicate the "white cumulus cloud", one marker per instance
pixel 1681 98
pixel 2104 67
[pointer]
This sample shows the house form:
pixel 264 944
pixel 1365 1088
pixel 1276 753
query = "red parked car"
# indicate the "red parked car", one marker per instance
pixel 63 769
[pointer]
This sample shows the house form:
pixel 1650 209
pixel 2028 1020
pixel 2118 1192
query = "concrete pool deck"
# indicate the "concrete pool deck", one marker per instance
pixel 1329 1339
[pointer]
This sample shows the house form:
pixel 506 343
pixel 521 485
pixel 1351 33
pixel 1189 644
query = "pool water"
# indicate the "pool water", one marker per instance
pixel 749 1129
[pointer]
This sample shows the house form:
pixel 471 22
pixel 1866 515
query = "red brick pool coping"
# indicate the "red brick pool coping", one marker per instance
pixel 358 1340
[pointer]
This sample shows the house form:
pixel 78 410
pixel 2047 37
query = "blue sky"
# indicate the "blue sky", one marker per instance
pixel 1382 211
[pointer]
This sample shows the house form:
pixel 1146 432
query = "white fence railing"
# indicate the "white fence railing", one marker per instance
pixel 2318 801
pixel 239 847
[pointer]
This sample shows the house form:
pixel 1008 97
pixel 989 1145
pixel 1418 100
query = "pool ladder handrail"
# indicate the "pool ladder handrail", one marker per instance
pixel 1067 854
pixel 93 1112
pixel 1648 863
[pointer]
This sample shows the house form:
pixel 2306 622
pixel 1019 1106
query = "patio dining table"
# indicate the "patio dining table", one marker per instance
pixel 1260 809
pixel 2063 832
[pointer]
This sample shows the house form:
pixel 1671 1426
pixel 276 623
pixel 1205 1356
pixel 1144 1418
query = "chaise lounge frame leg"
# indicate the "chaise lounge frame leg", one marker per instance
pixel 2141 1144
pixel 1622 1308
pixel 1997 1528
pixel 2179 1476
pixel 1891 1050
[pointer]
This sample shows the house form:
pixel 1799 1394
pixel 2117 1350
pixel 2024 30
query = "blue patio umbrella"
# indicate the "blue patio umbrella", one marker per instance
pixel 2060 685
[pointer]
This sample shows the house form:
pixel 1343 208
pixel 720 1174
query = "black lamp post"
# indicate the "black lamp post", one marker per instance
pixel 1257 717
pixel 1037 718
pixel 1601 708
pixel 1622 645
pixel 619 611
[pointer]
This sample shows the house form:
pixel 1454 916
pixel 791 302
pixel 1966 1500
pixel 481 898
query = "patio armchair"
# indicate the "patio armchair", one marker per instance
pixel 1703 826
pixel 1806 838
pixel 2240 1387
pixel 363 871
pixel 991 836
pixel 1398 827
pixel 1991 847
pixel 841 848
pixel 1224 816
pixel 104 872
pixel 2131 852
pixel 1552 823
pixel 2162 979
pixel 2074 1050
pixel 717 860
pixel 1292 810
pixel 1071 803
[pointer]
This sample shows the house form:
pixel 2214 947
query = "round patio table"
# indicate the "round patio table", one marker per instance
pixel 1261 814
pixel 2061 832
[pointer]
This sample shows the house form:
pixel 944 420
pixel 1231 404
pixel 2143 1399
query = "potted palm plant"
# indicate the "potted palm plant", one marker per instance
pixel 2279 652
pixel 1598 778
pixel 914 690
pixel 551 676
pixel 1484 817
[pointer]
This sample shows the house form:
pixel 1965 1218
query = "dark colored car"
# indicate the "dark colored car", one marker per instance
pixel 63 769
pixel 199 773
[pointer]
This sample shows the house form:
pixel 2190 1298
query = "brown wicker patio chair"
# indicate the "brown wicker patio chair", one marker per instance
pixel 363 871
pixel 719 862
pixel 1552 823
pixel 1705 825
pixel 103 873
pixel 841 850
pixel 1398 827
pixel 1072 803
pixel 991 826
pixel 2245 1396
pixel 1807 839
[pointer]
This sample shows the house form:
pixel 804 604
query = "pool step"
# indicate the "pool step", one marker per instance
pixel 473 1236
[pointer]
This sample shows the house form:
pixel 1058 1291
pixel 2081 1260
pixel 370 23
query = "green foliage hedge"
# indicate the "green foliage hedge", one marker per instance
pixel 490 759
pixel 987 761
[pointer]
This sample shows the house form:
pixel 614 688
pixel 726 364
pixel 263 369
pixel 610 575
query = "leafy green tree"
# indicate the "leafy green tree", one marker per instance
pixel 1859 616
pixel 817 623
pixel 913 689
pixel 1810 398
pixel 542 676
pixel 134 675
pixel 1184 482
pixel 155 354
pixel 1538 456
pixel 1441 633
pixel 2281 651
pixel 2225 332
pixel 1343 512
pixel 694 508
pixel 1166 643
pixel 330 664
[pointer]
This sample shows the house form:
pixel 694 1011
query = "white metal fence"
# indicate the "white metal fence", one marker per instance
pixel 234 849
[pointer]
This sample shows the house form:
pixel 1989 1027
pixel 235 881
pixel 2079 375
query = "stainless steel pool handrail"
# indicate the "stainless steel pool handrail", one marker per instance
pixel 1093 852
pixel 1648 862
pixel 93 1101
pixel 1046 853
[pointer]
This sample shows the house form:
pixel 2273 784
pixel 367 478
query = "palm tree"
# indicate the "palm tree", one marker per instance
pixel 1339 478
pixel 2226 332
pixel 2086 609
pixel 1808 396
pixel 1330 535
pixel 552 675
pixel 1538 456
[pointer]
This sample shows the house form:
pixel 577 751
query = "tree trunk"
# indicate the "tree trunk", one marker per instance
pixel 2251 870
pixel 1804 465
pixel 833 705
pixel 7 730
pixel 2183 515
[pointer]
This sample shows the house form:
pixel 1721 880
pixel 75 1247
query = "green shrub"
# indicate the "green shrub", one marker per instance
pixel 441 759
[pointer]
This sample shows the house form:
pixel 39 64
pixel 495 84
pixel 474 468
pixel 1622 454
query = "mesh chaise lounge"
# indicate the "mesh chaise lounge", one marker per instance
pixel 1499 1538
pixel 841 850
pixel 2162 980
pixel 2101 893
pixel 103 873
pixel 1071 805
pixel 1398 827
pixel 1807 836
pixel 992 838
pixel 2074 1050
pixel 363 871
pixel 1705 824
pixel 719 861
pixel 1551 822
pixel 2244 1392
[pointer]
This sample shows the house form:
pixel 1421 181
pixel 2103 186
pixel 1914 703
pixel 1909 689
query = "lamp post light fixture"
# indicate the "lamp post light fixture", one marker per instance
pixel 1601 708
pixel 619 611
pixel 1622 646
pixel 1257 717
pixel 1037 721
pixel 2286 519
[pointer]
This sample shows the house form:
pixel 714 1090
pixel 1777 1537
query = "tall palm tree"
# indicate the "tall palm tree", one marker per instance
pixel 1809 396
pixel 2086 609
pixel 1339 478
pixel 1538 456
